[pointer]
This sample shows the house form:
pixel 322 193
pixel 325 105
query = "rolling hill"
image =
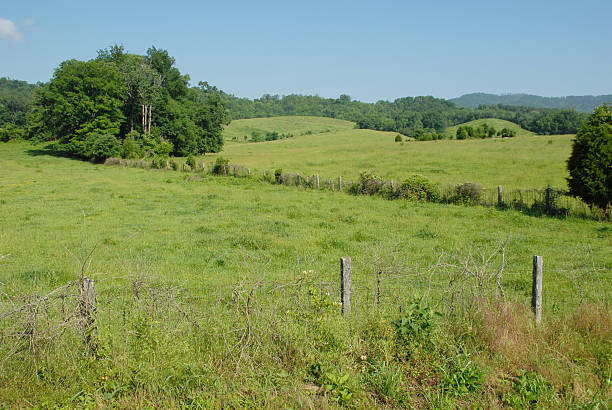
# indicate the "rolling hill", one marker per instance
pixel 495 122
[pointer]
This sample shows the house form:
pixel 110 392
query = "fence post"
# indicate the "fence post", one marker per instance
pixel 317 181
pixel 88 309
pixel 548 200
pixel 249 171
pixel 339 183
pixel 332 185
pixel 536 288
pixel 297 180
pixel 500 201
pixel 345 284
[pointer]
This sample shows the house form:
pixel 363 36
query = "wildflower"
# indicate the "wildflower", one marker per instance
pixel 364 357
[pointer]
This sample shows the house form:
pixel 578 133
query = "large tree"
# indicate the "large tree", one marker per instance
pixel 590 163
pixel 82 99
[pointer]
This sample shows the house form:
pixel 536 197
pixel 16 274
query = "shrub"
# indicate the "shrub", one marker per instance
pixel 590 163
pixel 159 162
pixel 369 184
pixel 469 193
pixel 11 132
pixel 415 324
pixel 131 148
pixel 221 166
pixel 398 138
pixel 278 175
pixel 506 133
pixel 191 161
pixel 418 188
pixel 101 146
pixel 174 164
pixel 461 378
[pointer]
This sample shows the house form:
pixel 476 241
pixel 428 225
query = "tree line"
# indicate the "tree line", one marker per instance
pixel 411 116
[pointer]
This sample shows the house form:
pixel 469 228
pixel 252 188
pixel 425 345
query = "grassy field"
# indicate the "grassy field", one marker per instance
pixel 296 125
pixel 495 122
pixel 515 163
pixel 215 254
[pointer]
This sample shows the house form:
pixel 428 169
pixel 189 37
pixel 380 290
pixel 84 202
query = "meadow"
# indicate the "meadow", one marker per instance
pixel 525 162
pixel 222 292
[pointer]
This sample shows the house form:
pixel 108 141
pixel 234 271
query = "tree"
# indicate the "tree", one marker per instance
pixel 590 163
pixel 82 99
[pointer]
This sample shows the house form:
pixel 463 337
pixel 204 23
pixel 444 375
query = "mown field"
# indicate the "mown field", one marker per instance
pixel 515 163
pixel 296 125
pixel 203 300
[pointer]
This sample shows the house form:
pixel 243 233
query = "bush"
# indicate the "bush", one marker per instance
pixel 131 148
pixel 590 163
pixel 506 133
pixel 418 188
pixel 369 184
pixel 278 175
pixel 469 193
pixel 159 162
pixel 101 146
pixel 11 132
pixel 190 162
pixel 398 138
pixel 221 166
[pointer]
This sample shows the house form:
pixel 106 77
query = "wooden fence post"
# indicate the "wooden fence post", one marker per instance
pixel 339 183
pixel 332 185
pixel 88 310
pixel 345 284
pixel 249 171
pixel 500 200
pixel 317 181
pixel 536 288
pixel 297 180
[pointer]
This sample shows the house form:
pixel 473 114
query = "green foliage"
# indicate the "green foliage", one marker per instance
pixel 468 193
pixel 461 377
pixel 11 132
pixel 221 166
pixel 339 389
pixel 368 184
pixel 506 133
pixel 131 147
pixel 398 138
pixel 386 381
pixel 590 163
pixel 415 324
pixel 190 162
pixel 418 188
pixel 527 389
pixel 101 146
pixel 278 174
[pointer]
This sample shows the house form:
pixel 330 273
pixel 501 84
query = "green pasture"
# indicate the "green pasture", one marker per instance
pixel 202 301
pixel 296 125
pixel 526 162
pixel 216 230
pixel 496 123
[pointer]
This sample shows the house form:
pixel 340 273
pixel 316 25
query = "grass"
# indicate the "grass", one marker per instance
pixel 297 125
pixel 225 250
pixel 497 123
pixel 515 163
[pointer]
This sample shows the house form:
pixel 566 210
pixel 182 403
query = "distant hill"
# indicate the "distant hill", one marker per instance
pixel 584 103
pixel 294 125
pixel 495 123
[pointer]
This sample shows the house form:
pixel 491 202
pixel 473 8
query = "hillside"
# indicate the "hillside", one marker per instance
pixel 583 103
pixel 295 125
pixel 495 122
pixel 348 152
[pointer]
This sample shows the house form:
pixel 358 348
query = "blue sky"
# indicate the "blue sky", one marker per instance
pixel 369 50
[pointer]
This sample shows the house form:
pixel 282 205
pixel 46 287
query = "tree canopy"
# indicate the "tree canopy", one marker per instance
pixel 590 163
pixel 140 102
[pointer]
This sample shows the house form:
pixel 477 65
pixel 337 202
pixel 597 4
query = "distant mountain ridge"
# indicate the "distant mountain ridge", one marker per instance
pixel 583 103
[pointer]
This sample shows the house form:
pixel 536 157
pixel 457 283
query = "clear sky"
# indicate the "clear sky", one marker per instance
pixel 369 50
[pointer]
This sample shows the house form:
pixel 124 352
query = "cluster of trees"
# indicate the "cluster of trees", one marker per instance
pixel 482 131
pixel 126 104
